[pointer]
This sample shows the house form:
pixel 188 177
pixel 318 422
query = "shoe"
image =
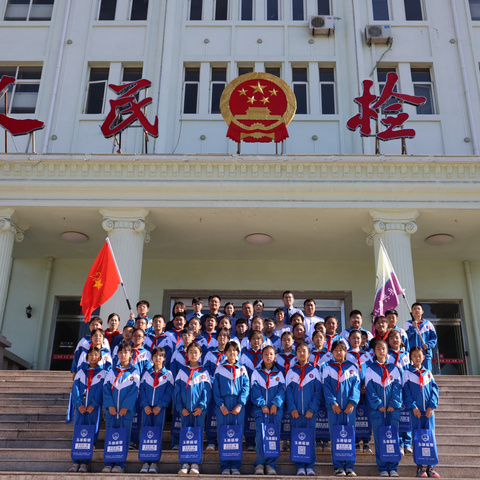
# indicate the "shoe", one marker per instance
pixel 194 470
pixel 301 472
pixel 319 445
pixel 259 470
pixel 350 472
pixel 432 473
pixel 270 470
pixel 422 472
pixel 153 468
pixel 339 472
pixel 83 468
pixel 210 447
pixel 145 468
pixel 327 447
pixel 74 468
pixel 133 446
pixel 366 448
pixel 226 471
pixel 357 447
pixel 184 470
pixel 402 451
pixel 285 446
pixel 409 450
pixel 384 474
pixel 117 469
pixel 235 471
pixel 394 473
pixel 250 448
pixel 175 447
pixel 106 469
pixel 310 472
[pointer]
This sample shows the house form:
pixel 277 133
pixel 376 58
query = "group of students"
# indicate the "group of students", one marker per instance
pixel 227 370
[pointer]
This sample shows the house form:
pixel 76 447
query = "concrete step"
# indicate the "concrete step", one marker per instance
pixel 34 401
pixel 133 476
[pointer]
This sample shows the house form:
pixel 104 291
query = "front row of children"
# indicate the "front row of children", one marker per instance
pixel 337 385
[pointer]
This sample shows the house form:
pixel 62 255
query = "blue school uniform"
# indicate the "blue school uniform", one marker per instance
pixel 131 323
pixel 329 339
pixel 429 336
pixel 141 359
pixel 285 361
pixel 345 334
pixel 213 359
pixel 163 340
pixel 303 393
pixel 80 359
pixel 341 385
pixel 179 360
pixel 210 340
pixel 120 390
pixel 319 359
pixel 268 388
pixel 231 387
pixel 384 389
pixel 404 336
pixel 83 346
pixel 175 337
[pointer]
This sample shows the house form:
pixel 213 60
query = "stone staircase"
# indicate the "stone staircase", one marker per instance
pixel 35 441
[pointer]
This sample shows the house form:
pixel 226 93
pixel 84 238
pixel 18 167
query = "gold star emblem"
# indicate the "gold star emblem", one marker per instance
pixel 242 91
pixel 265 100
pixel 97 280
pixel 251 100
pixel 258 88
pixel 274 92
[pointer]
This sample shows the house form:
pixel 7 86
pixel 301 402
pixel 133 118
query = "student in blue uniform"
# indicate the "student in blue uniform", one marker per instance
pixel 303 393
pixel 268 397
pixel 383 383
pixel 192 393
pixel 87 397
pixel 421 397
pixel 231 387
pixel 143 306
pixel 392 319
pixel 269 332
pixel 331 335
pixel 341 388
pixel 158 338
pixel 156 390
pixel 120 393
pixel 97 339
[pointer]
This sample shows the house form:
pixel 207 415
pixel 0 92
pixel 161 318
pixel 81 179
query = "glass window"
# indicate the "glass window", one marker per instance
pixel 246 10
pixel 192 82
pixel 107 9
pixel 139 10
pixel 474 9
pixel 413 9
pixel 217 85
pixel 382 79
pixel 272 10
pixel 323 7
pixel 423 86
pixel 298 10
pixel 195 10
pixel 96 90
pixel 131 74
pixel 33 10
pixel 327 90
pixel 22 95
pixel 221 10
pixel 244 70
pixel 300 88
pixel 380 10
pixel 277 71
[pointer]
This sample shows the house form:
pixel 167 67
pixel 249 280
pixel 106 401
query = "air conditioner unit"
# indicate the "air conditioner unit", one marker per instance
pixel 378 34
pixel 321 24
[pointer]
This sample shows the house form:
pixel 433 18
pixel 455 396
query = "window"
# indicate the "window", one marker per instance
pixel 217 85
pixel 382 79
pixel 272 9
pixel 96 90
pixel 221 10
pixel 33 10
pixel 139 10
pixel 131 74
pixel 413 9
pixel 327 90
pixel 192 81
pixel 277 71
pixel 298 10
pixel 107 9
pixel 380 10
pixel 244 70
pixel 300 88
pixel 423 86
pixel 246 10
pixel 474 9
pixel 195 10
pixel 22 95
pixel 323 7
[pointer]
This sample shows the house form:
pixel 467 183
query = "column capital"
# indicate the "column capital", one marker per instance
pixel 392 220
pixel 7 224
pixel 127 220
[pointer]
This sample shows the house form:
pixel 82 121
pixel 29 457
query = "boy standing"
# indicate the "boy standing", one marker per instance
pixel 356 321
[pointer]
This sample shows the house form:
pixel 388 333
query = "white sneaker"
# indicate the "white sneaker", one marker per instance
pixel 210 447
pixel 394 473
pixel 106 469
pixel 310 472
pixel 226 471
pixel 259 470
pixel 117 469
pixel 83 468
pixel 145 468
pixel 384 474
pixel 269 470
pixel 74 468
pixel 194 469
pixel 235 471
pixel 301 472
pixel 402 451
pixel 184 470
pixel 153 468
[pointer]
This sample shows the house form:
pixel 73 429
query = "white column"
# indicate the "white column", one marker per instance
pixel 9 234
pixel 127 231
pixel 394 228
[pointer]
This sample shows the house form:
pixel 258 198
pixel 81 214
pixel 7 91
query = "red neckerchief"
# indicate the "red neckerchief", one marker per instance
pixel 420 378
pixel 340 372
pixel 397 356
pixel 288 356
pixel 110 335
pixel 379 337
pixel 91 374
pixel 302 373
pixel 210 335
pixel 122 371
pixel 386 373
pixel 219 355
pixel 179 336
pixel 269 375
pixel 154 341
pixel 256 356
pixel 155 379
pixel 233 368
pixel 358 355
pixel 136 353
pixel 317 358
pixel 329 341
pixel 192 371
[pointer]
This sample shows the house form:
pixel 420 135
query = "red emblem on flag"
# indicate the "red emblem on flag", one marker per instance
pixel 257 108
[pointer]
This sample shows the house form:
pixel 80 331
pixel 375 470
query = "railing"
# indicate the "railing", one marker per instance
pixel 8 360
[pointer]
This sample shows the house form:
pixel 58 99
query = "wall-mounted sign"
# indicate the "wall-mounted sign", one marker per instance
pixel 257 108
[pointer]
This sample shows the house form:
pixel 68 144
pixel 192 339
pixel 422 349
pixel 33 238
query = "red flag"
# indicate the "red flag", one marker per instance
pixel 102 282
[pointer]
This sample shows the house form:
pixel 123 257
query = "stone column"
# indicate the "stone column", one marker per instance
pixel 394 227
pixel 9 234
pixel 127 231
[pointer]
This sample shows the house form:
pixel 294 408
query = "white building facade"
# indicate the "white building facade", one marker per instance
pixel 178 208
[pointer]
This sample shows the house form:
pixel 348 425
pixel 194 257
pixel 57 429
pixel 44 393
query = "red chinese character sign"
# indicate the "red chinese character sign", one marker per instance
pixel 257 108
pixel 370 106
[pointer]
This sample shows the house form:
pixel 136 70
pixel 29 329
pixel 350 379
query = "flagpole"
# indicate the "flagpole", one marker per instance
pixel 119 275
